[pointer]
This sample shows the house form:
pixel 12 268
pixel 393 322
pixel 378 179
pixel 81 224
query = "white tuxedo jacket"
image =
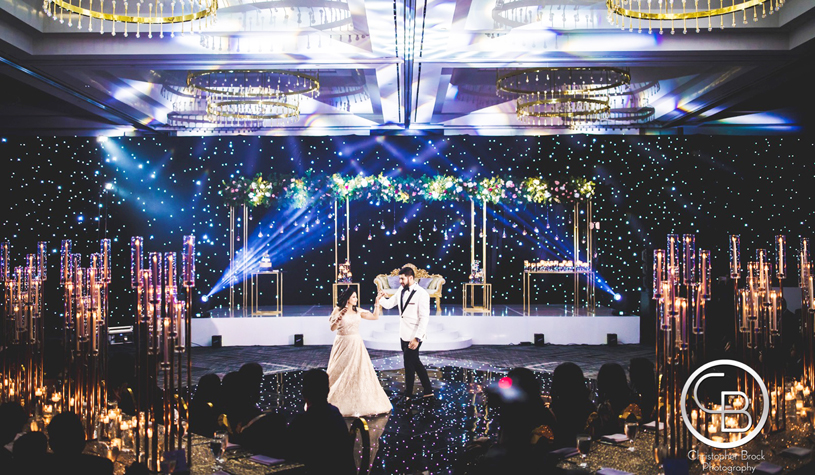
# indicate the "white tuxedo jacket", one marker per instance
pixel 415 315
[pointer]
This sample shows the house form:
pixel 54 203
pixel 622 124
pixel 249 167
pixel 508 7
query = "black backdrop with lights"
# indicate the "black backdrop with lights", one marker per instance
pixel 165 187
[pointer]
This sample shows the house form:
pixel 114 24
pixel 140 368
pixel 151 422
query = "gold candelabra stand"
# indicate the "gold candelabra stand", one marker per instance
pixel 23 326
pixel 163 339
pixel 233 274
pixel 85 325
pixel 681 287
pixel 758 312
pixel 805 282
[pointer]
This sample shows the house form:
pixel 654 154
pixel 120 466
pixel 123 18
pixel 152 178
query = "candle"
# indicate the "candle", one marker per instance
pixel 780 256
pixel 799 405
pixel 188 261
pixel 735 256
pixel 659 272
pixel 136 258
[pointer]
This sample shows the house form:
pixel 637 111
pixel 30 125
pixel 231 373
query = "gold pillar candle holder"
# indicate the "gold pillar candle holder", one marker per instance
pixel 85 324
pixel 681 288
pixel 758 324
pixel 22 329
pixel 162 341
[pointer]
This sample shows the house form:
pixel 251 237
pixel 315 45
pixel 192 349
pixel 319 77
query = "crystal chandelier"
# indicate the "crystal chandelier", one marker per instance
pixel 251 97
pixel 150 14
pixel 562 96
pixel 684 13
pixel 517 13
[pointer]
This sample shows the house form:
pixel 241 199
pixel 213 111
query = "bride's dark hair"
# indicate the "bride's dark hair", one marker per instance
pixel 343 300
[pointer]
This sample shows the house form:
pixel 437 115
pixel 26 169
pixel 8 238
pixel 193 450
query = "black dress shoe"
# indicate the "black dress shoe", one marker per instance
pixel 402 401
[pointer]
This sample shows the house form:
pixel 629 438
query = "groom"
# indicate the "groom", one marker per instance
pixel 414 311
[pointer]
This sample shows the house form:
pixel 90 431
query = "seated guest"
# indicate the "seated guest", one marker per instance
pixel 203 408
pixel 31 455
pixel 66 435
pixel 319 437
pixel 643 383
pixel 256 431
pixel 526 429
pixel 252 374
pixel 614 397
pixel 12 419
pixel 570 404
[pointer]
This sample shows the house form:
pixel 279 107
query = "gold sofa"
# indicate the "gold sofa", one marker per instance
pixel 433 287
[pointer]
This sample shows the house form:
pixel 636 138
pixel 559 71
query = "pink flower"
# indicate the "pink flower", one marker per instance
pixel 557 182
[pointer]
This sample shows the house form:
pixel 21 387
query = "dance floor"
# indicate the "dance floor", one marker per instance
pixel 429 436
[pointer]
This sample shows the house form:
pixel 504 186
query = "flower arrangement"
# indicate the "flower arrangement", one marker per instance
pixel 441 188
pixel 535 190
pixel 300 191
pixel 490 190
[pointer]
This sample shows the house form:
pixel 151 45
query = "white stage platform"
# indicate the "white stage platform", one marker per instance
pixel 448 331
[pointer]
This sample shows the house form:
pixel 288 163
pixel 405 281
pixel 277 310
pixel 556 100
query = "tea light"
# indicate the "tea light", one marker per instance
pixel 34 426
pixel 116 442
pixel 799 405
pixel 806 392
pixel 38 392
pixel 717 438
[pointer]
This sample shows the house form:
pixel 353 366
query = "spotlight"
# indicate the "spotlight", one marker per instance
pixel 205 298
pixel 108 186
pixel 101 139
pixel 617 297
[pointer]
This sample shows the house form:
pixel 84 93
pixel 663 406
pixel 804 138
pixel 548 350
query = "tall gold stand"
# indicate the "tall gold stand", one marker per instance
pixel 682 288
pixel 277 277
pixel 469 292
pixel 162 339
pixel 23 327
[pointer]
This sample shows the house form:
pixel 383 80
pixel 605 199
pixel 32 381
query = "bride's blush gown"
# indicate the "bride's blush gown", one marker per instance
pixel 355 388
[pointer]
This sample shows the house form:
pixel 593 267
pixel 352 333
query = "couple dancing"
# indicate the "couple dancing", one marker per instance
pixel 355 389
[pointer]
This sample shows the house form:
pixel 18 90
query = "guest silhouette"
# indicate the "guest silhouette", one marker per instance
pixel 570 404
pixel 319 437
pixel 31 455
pixel 643 383
pixel 204 406
pixel 12 419
pixel 67 439
pixel 614 396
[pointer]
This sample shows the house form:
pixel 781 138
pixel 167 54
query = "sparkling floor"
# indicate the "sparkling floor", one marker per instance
pixel 428 437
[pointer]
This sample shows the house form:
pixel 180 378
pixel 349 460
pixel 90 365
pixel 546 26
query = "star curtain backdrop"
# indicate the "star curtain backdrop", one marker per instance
pixel 165 187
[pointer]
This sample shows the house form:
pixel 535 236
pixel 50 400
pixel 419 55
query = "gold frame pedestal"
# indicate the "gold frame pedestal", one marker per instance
pixel 277 276
pixel 334 293
pixel 591 226
pixel 590 303
pixel 486 298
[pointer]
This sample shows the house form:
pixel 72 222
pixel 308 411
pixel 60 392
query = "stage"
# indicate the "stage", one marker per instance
pixel 450 329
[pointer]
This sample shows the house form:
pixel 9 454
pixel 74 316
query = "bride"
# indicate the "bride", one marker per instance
pixel 355 388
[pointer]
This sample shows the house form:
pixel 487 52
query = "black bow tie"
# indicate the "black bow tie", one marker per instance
pixel 404 290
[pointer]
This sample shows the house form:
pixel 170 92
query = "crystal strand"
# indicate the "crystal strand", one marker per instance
pixel 161 23
pixel 113 28
pixel 125 22
pixel 101 21
pixel 149 24
pixel 172 11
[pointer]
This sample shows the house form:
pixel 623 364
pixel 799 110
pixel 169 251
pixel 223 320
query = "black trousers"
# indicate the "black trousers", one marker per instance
pixel 412 367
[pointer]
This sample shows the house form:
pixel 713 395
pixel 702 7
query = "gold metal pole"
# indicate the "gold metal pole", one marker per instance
pixel 244 257
pixel 231 259
pixel 347 230
pixel 336 245
pixel 472 232
pixel 484 243
pixel 576 231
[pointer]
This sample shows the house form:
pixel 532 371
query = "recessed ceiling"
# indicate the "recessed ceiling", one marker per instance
pixel 408 67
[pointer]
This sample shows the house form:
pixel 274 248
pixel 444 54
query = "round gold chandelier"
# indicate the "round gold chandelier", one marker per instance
pixel 687 13
pixel 562 96
pixel 252 95
pixel 156 13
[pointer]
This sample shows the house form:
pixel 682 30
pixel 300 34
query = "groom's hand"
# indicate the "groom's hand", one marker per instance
pixel 414 343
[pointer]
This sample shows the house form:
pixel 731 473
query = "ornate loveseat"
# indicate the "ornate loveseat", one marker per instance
pixel 431 282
